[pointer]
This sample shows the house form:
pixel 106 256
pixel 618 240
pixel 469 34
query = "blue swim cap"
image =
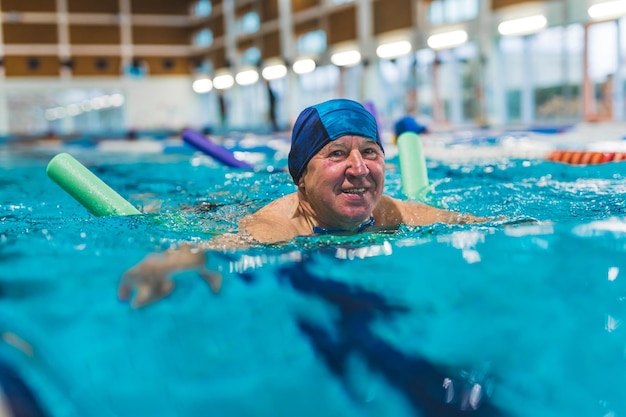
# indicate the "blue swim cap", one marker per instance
pixel 408 124
pixel 318 125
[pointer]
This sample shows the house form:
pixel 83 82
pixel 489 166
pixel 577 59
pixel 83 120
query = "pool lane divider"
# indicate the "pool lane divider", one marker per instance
pixel 579 157
pixel 87 188
pixel 205 145
pixel 413 170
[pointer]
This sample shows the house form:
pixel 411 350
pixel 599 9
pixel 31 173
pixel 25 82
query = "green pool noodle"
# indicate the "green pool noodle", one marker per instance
pixel 87 188
pixel 414 174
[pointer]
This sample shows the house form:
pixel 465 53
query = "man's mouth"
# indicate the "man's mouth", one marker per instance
pixel 354 191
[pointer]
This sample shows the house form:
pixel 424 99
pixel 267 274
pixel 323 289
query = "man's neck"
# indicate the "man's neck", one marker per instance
pixel 315 223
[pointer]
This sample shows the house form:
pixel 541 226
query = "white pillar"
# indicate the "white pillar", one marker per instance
pixel 618 78
pixel 485 52
pixel 528 102
pixel 63 34
pixel 288 51
pixel 4 108
pixel 231 95
pixel 364 29
pixel 126 33
pixel 456 90
pixel 498 68
pixel 228 12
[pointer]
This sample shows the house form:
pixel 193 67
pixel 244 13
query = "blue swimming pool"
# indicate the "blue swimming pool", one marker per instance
pixel 500 319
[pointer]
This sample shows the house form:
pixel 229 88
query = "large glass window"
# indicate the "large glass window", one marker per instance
pixel 452 11
pixel 620 78
pixel 66 112
pixel 512 72
pixel 555 98
pixel 319 85
pixel 251 56
pixel 424 98
pixel 542 75
pixel 311 43
pixel 470 108
pixel 249 23
pixel 448 86
pixel 202 8
pixel 398 86
pixel 602 62
pixel 203 38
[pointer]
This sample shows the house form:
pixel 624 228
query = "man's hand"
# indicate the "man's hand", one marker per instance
pixel 150 280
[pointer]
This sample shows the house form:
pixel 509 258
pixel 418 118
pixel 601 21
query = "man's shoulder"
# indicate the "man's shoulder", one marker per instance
pixel 415 213
pixel 393 211
pixel 272 222
pixel 282 207
pixel 388 212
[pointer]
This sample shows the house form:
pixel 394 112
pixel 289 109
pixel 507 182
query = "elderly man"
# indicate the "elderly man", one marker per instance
pixel 337 163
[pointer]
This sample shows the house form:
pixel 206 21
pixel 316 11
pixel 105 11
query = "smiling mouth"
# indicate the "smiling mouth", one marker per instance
pixel 354 191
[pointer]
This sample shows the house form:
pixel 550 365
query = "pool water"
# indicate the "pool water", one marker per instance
pixel 509 318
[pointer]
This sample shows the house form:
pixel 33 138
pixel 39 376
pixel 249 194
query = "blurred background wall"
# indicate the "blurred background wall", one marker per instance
pixel 114 67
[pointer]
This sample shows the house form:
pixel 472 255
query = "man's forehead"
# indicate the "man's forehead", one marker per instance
pixel 349 140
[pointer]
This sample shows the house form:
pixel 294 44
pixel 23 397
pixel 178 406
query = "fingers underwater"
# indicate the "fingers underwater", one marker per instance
pixel 214 279
pixel 147 293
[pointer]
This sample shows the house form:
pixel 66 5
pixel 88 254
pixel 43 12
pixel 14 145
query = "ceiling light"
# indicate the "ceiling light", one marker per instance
pixel 393 49
pixel 273 72
pixel 223 81
pixel 203 85
pixel 609 9
pixel 523 26
pixel 303 66
pixel 447 39
pixel 346 58
pixel 247 77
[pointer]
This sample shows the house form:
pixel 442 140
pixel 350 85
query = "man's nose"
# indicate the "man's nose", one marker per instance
pixel 356 164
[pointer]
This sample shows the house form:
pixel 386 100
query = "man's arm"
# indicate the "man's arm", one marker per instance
pixel 150 280
pixel 413 213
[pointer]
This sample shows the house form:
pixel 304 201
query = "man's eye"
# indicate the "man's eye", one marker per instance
pixel 336 154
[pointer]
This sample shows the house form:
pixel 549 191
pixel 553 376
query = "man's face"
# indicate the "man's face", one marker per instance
pixel 344 181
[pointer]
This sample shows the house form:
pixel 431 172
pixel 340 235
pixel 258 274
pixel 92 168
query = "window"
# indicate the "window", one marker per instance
pixel 311 43
pixel 323 79
pixel 452 11
pixel 203 38
pixel 202 8
pixel 251 56
pixel 249 23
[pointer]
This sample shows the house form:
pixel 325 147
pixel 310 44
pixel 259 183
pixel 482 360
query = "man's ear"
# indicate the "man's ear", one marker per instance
pixel 301 180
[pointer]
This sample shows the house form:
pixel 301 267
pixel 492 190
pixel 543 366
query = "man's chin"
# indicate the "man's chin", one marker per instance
pixel 357 217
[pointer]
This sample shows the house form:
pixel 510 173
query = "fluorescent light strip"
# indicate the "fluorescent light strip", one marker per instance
pixel 202 85
pixel 223 81
pixel 610 9
pixel 303 66
pixel 523 26
pixel 247 77
pixel 273 72
pixel 346 58
pixel 447 39
pixel 393 49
